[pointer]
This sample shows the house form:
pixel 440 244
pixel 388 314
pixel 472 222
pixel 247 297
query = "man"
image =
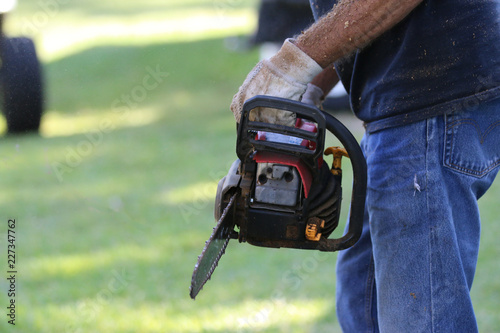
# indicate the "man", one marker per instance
pixel 424 76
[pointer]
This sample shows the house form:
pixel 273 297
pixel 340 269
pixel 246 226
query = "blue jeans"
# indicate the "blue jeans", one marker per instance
pixel 413 267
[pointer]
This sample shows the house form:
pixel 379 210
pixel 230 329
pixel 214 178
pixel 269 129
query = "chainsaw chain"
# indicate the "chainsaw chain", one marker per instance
pixel 194 289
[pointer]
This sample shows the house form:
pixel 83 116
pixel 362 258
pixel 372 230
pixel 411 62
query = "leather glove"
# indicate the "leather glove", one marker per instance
pixel 285 75
pixel 313 95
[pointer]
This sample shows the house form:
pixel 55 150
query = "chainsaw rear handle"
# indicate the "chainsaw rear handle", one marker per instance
pixel 247 130
pixel 358 162
pixel 246 144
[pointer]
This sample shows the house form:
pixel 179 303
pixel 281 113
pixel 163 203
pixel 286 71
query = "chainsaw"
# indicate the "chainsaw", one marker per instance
pixel 280 193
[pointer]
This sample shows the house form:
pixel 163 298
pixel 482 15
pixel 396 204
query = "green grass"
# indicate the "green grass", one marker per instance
pixel 113 203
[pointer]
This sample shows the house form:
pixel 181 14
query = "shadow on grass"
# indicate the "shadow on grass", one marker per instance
pixel 107 214
pixel 123 10
pixel 95 78
pixel 107 218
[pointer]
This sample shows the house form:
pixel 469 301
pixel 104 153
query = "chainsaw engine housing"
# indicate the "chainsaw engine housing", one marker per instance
pixel 277 184
pixel 280 167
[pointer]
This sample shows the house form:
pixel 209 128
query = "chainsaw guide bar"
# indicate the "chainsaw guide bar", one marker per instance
pixel 213 250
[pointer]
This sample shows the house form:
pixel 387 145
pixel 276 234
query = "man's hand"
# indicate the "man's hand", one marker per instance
pixel 285 75
pixel 313 95
pixel 349 26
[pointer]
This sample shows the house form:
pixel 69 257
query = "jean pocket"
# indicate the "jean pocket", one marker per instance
pixel 472 140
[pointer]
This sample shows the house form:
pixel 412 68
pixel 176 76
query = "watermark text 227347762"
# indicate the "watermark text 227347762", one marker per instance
pixel 11 271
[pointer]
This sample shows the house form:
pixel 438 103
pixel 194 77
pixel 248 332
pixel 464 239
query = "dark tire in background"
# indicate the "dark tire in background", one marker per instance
pixel 21 91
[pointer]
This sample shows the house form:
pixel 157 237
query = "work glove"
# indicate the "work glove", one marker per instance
pixel 313 95
pixel 285 75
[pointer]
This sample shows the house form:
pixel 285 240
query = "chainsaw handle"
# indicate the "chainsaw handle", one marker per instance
pixel 246 142
pixel 358 162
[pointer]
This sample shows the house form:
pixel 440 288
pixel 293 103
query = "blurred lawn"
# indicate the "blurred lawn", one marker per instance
pixel 113 201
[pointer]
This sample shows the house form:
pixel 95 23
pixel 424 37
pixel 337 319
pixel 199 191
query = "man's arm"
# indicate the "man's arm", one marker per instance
pixel 326 80
pixel 351 30
pixel 351 25
pixel 320 86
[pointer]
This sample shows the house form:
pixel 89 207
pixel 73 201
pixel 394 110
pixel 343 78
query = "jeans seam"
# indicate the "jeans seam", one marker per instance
pixel 369 296
pixel 427 199
pixel 449 146
pixel 430 279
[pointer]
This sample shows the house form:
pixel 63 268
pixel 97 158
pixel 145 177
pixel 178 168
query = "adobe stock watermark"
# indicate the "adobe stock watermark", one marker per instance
pixel 481 94
pixel 206 197
pixel 89 309
pixel 221 6
pixel 75 155
pixel 291 281
pixel 33 24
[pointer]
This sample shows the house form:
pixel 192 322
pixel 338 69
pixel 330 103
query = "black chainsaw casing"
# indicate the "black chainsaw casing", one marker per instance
pixel 275 226
pixel 280 192
pixel 276 229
